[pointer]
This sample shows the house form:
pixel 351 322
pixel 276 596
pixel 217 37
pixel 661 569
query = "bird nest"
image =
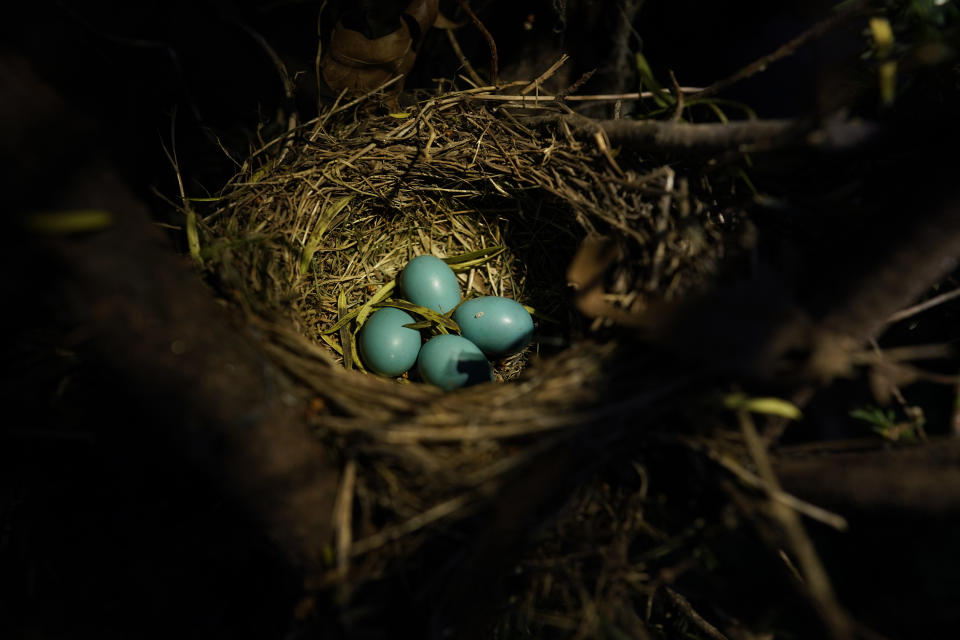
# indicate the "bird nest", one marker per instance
pixel 320 221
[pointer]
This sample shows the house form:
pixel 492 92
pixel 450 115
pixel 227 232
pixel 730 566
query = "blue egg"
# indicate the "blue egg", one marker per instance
pixel 388 347
pixel 429 282
pixel 499 326
pixel 450 362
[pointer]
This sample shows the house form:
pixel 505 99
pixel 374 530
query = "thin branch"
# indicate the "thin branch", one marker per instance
pixel 909 312
pixel 318 76
pixel 494 60
pixel 563 95
pixel 288 87
pixel 815 576
pixel 414 524
pixel 598 97
pixel 904 354
pixel 687 609
pixel 192 233
pixel 762 64
pixel 654 134
pixel 678 95
pixel 752 480
pixel 543 77
pixel 356 101
pixel 455 44
pixel 756 134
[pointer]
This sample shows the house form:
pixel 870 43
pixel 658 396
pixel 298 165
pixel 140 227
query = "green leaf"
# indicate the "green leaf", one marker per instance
pixel 875 416
pixel 768 406
pixel 68 221
pixel 660 96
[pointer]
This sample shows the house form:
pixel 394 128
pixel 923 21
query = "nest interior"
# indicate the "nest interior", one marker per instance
pixel 321 219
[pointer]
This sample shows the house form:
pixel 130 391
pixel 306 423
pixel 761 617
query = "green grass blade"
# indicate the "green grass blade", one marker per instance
pixel 660 96
pixel 381 294
pixel 331 343
pixel 326 218
pixel 488 252
pixel 356 356
pixel 193 235
pixel 341 322
pixel 424 312
pixel 346 336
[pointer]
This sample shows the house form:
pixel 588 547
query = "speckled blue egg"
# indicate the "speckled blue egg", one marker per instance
pixel 388 347
pixel 429 282
pixel 499 326
pixel 451 362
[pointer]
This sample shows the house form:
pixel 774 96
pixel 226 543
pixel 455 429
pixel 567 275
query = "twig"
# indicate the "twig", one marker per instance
pixel 417 522
pixel 342 515
pixel 474 76
pixel 904 354
pixel 543 77
pixel 750 479
pixel 193 236
pixel 815 576
pixel 687 609
pixel 678 95
pixel 909 312
pixel 293 118
pixel 785 50
pixel 319 57
pixel 356 101
pixel 562 97
pixel 494 60
pixel 288 87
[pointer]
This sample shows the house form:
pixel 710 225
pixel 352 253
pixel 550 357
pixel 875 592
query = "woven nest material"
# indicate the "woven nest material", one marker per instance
pixel 322 218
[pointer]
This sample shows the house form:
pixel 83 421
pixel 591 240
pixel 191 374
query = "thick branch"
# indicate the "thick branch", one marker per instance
pixel 141 311
pixel 677 136
pixel 924 479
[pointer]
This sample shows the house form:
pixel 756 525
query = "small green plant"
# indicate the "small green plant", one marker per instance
pixel 886 424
